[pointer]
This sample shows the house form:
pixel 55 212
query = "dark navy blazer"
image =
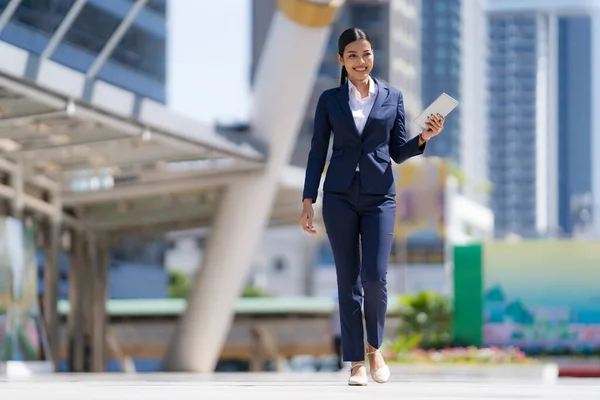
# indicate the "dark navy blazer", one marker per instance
pixel 383 139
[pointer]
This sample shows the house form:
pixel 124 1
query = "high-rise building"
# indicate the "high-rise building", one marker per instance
pixel 441 61
pixel 403 30
pixel 453 60
pixel 544 116
pixel 394 28
pixel 138 61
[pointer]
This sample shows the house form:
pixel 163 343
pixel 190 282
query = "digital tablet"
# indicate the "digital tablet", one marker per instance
pixel 443 105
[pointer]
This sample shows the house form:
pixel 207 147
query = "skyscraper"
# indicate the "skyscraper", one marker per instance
pixel 394 28
pixel 441 61
pixel 136 64
pixel 544 67
pixel 453 55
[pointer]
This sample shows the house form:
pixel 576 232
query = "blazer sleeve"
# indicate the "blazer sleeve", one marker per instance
pixel 400 149
pixel 318 150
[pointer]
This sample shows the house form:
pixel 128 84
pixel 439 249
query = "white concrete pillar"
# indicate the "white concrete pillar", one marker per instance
pixel 288 67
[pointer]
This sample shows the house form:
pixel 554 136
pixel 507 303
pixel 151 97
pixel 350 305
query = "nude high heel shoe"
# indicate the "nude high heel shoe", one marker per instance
pixel 361 380
pixel 380 374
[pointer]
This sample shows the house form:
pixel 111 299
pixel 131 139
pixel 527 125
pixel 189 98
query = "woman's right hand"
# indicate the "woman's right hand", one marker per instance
pixel 306 219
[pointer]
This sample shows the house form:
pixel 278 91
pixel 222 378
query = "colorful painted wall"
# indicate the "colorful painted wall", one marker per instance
pixel 542 296
pixel 19 310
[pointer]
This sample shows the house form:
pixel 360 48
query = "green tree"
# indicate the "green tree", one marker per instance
pixel 427 315
pixel 179 286
pixel 252 291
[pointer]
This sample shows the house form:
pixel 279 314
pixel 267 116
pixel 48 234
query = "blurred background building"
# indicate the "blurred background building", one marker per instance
pixel 519 157
pixel 454 61
pixel 74 33
pixel 138 61
pixel 543 65
pixel 522 140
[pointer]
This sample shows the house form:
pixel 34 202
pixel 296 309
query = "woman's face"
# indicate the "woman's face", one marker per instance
pixel 358 59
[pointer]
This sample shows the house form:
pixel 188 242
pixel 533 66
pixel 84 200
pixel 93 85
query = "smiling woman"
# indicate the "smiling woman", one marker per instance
pixel 359 205
pixel 355 53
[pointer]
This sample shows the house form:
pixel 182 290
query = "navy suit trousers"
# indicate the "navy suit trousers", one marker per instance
pixel 360 228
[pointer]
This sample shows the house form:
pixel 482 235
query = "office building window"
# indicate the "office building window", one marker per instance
pixel 279 264
pixel 143 51
pixel 441 54
pixel 138 49
pixel 366 12
pixel 157 6
pixel 92 29
pixel 43 15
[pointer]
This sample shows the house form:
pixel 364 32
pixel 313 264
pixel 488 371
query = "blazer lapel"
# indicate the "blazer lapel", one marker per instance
pixel 344 103
pixel 382 94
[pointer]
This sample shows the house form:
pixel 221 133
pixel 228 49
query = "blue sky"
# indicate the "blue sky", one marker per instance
pixel 209 55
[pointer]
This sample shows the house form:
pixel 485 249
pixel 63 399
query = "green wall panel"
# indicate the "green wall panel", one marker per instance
pixel 468 295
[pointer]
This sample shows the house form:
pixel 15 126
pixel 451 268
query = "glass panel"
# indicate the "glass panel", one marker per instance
pixel 92 29
pixel 43 15
pixel 143 51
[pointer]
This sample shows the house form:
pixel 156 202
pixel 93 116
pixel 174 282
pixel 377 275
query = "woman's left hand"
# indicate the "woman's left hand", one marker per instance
pixel 435 124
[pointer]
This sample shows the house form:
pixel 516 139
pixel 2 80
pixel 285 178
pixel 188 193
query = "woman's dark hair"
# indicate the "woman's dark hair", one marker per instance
pixel 347 37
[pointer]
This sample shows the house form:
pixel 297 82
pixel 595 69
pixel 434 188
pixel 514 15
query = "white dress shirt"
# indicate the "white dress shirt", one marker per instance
pixel 359 107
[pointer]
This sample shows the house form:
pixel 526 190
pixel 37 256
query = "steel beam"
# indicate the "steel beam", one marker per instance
pixel 33 93
pixel 7 166
pixel 156 188
pixel 40 206
pixel 99 263
pixel 77 288
pixel 137 129
pixel 40 181
pixel 160 228
pixel 109 220
pixel 62 29
pixel 133 128
pixel 26 119
pixel 147 217
pixel 18 183
pixel 51 285
pixel 119 148
pixel 8 12
pixel 66 175
pixel 114 40
pixel 159 175
pixel 59 147
pixel 281 215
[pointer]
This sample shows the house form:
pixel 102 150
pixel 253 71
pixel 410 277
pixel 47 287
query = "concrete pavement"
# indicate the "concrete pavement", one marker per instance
pixel 267 386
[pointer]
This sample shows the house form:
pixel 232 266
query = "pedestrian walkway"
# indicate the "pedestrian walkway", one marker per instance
pixel 267 386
